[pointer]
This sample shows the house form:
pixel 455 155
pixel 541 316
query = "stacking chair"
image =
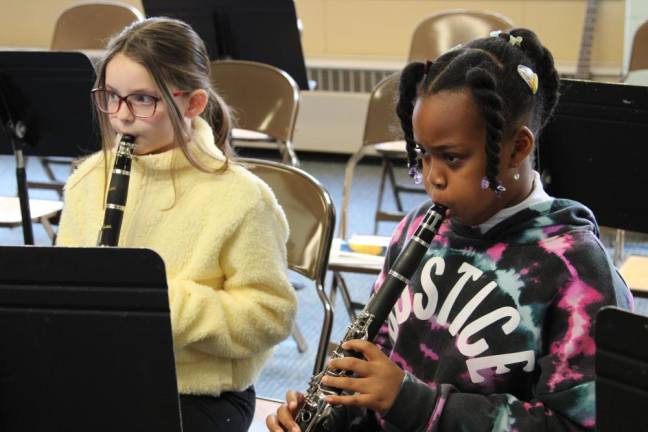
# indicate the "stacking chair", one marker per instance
pixel 265 101
pixel 42 211
pixel 311 217
pixel 634 269
pixel 638 55
pixel 442 31
pixel 88 26
pixel 382 127
pixel 432 37
pixel 85 27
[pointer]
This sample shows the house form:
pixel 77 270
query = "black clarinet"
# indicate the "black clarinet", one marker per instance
pixel 315 412
pixel 117 192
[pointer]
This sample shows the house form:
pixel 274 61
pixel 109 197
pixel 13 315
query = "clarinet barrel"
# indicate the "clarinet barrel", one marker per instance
pixel 315 413
pixel 117 192
pixel 382 302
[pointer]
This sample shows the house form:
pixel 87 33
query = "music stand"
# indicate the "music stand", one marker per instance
pixel 85 341
pixel 264 31
pixel 594 151
pixel 621 370
pixel 45 110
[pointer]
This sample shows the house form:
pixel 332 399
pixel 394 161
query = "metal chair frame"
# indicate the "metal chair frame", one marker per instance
pixel 84 26
pixel 264 100
pixel 311 217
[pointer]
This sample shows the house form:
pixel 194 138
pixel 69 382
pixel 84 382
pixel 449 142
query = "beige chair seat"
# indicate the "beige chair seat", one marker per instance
pixel 353 262
pixel 249 135
pixel 635 272
pixel 394 149
pixel 349 262
pixel 41 211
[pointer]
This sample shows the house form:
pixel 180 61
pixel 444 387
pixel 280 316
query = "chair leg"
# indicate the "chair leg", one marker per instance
pixel 381 190
pixel 346 296
pixel 53 182
pixel 333 291
pixel 327 326
pixel 619 246
pixel 394 185
pixel 288 155
pixel 48 228
pixel 297 335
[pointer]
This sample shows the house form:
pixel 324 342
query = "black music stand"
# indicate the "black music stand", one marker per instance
pixel 621 371
pixel 594 150
pixel 85 341
pixel 45 110
pixel 264 31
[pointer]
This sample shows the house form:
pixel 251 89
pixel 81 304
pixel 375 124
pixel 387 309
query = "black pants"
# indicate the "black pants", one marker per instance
pixel 229 412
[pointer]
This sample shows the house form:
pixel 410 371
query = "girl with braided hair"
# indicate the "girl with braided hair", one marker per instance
pixel 495 330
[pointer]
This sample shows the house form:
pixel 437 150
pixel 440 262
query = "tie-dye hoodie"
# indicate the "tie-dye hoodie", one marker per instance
pixel 495 330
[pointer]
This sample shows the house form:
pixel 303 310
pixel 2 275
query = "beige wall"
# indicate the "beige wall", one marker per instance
pixel 377 29
pixel 382 28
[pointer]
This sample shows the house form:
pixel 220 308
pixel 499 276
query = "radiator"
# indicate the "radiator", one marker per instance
pixel 338 79
pixel 332 116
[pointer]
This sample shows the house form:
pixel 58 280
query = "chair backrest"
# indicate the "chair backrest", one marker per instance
pixel 90 25
pixel 381 122
pixel 639 50
pixel 311 218
pixel 440 32
pixel 264 98
pixel 309 210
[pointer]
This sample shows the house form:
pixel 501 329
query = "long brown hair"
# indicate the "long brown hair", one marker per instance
pixel 174 55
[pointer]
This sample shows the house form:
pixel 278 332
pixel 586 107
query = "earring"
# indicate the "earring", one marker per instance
pixel 416 174
pixel 485 183
pixel 498 189
pixel 516 176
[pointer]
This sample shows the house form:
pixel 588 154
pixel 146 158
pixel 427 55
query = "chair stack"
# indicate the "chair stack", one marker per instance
pixel 265 102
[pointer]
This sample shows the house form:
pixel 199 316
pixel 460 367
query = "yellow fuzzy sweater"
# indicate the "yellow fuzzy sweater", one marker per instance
pixel 222 237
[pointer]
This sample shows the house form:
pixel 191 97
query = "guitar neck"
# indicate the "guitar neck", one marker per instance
pixel 585 52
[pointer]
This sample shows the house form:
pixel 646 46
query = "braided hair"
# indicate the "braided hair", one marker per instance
pixel 488 68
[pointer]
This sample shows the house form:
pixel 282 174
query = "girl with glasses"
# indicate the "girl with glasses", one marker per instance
pixel 218 228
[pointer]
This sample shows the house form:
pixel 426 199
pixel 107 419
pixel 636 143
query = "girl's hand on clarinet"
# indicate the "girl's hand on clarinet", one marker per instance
pixel 376 382
pixel 284 419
